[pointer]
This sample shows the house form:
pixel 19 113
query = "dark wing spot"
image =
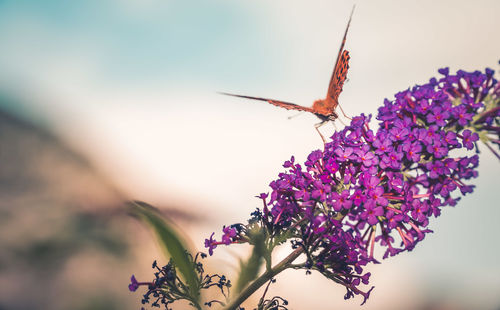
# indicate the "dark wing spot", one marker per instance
pixel 341 73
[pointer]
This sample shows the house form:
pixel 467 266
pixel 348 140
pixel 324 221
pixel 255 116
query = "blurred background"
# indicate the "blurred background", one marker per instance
pixel 103 101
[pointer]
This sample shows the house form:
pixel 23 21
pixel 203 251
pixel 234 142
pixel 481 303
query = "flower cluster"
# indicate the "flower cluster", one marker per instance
pixel 167 287
pixel 381 187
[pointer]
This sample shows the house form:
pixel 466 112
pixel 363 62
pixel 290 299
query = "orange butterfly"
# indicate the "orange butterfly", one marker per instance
pixel 322 108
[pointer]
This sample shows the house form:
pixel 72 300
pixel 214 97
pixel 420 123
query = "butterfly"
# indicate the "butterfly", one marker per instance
pixel 324 109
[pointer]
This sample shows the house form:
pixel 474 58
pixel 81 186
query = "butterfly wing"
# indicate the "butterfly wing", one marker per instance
pixel 281 104
pixel 340 70
pixel 339 77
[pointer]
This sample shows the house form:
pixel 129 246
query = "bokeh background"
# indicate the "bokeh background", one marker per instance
pixel 103 101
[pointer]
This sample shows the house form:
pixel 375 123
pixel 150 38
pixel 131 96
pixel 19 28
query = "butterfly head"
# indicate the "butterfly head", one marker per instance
pixel 333 116
pixel 325 108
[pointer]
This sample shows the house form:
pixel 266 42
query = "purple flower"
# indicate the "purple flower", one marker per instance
pixel 366 157
pixel 418 212
pixel 368 188
pixel 380 187
pixel 229 234
pixel 372 211
pixel 211 244
pixel 461 115
pixel 437 149
pixel 382 145
pixel 468 139
pixel 412 151
pixel 438 116
pixel 376 196
pixel 392 160
pixel 435 169
pixel 344 154
pixel 398 133
pixel 134 285
pixel 393 219
pixel 341 201
pixel 444 71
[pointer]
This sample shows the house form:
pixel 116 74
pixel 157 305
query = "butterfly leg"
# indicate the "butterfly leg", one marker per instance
pixel 342 110
pixel 317 129
pixel 341 123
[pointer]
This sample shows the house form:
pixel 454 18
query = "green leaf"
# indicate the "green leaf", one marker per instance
pixel 250 269
pixel 170 242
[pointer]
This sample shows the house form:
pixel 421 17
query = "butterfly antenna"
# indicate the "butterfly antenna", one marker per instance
pixel 293 116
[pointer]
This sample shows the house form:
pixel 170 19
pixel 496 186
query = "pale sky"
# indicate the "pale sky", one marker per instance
pixel 132 84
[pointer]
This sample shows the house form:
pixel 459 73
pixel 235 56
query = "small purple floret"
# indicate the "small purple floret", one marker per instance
pixel 134 285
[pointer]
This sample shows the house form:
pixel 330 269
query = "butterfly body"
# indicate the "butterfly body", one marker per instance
pixel 324 109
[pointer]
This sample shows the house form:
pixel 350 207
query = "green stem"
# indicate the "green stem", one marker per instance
pixel 266 276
